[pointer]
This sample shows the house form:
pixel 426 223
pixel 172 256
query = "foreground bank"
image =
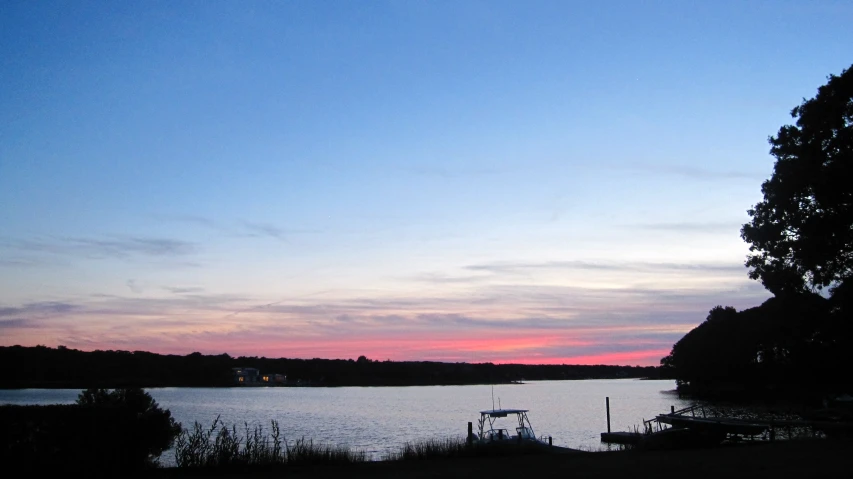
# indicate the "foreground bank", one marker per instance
pixel 808 458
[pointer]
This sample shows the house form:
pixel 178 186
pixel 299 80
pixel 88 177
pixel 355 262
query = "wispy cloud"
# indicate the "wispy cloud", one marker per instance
pixel 238 229
pixel 448 173
pixel 27 262
pixel 259 230
pixel 691 227
pixel 183 290
pixel 515 267
pixel 127 246
pixel 696 173
pixel 135 286
pixel 99 248
pixel 265 229
pixel 40 309
pixel 17 323
pixel 442 278
pixel 195 220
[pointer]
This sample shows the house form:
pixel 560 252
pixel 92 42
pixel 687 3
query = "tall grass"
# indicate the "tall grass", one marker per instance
pixel 430 448
pixel 220 446
pixel 458 447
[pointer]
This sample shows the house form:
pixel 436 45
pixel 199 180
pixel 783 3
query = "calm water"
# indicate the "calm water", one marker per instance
pixel 377 420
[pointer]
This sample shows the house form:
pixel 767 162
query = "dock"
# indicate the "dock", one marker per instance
pixel 630 438
pixel 692 426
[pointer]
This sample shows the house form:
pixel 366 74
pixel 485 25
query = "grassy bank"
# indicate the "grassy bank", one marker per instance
pixel 791 459
pixel 222 447
pixel 219 446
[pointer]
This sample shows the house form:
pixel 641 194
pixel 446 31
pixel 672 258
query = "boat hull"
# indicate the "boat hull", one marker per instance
pixel 742 428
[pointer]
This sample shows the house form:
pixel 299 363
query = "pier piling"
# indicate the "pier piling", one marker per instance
pixel 470 433
pixel 607 403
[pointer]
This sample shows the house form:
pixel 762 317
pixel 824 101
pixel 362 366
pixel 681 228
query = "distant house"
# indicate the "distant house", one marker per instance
pixel 274 378
pixel 246 376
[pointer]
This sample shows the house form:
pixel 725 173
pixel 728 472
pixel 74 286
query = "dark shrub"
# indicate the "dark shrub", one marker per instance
pixel 153 429
pixel 106 431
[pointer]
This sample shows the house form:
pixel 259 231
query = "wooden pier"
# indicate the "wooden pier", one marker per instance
pixel 629 438
pixel 692 426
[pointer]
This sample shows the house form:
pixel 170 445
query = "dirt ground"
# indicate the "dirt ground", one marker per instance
pixel 798 459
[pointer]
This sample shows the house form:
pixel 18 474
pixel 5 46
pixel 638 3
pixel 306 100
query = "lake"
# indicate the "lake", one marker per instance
pixel 380 419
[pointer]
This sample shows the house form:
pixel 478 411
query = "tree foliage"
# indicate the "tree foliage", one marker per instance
pixel 154 429
pixel 792 343
pixel 106 433
pixel 801 241
pixel 801 234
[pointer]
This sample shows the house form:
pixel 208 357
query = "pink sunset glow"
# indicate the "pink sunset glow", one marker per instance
pixel 446 337
pixel 529 325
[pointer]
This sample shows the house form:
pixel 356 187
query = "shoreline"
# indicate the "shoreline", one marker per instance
pixel 327 386
pixel 796 458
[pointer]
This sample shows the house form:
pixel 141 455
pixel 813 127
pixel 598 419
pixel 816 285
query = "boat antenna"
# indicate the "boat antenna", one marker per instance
pixel 493 397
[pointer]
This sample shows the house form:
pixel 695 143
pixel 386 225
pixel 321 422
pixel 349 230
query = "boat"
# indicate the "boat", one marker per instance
pixel 721 426
pixel 489 430
pixel 712 428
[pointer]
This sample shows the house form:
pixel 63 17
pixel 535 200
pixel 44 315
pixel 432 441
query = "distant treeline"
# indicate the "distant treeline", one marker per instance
pixel 44 367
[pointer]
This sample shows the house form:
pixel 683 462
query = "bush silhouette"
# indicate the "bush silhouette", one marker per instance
pixel 153 430
pixel 106 431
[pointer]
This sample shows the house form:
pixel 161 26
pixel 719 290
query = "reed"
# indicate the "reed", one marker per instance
pixel 457 447
pixel 430 448
pixel 221 446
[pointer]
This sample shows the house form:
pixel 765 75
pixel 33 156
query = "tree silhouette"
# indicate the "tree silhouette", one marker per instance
pixel 801 241
pixel 801 234
pixel 153 429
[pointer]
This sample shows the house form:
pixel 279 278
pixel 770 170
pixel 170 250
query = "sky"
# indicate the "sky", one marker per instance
pixel 479 181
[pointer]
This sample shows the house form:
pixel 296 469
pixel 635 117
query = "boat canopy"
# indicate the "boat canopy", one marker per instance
pixel 502 412
pixel 489 418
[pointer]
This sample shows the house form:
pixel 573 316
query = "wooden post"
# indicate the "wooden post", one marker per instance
pixel 672 409
pixel 470 433
pixel 550 441
pixel 607 403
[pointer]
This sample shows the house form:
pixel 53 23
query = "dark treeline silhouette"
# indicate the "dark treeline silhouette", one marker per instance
pixel 800 342
pixel 23 367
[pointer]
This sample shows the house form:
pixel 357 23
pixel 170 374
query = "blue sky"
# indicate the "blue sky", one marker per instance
pixel 490 181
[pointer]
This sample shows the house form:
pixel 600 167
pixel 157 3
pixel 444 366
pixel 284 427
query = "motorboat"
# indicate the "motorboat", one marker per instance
pixel 490 430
